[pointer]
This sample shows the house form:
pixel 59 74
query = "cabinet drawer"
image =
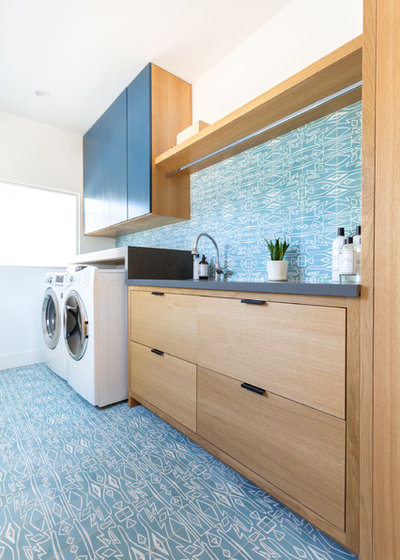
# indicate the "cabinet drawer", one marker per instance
pixel 167 382
pixel 297 351
pixel 168 322
pixel 298 449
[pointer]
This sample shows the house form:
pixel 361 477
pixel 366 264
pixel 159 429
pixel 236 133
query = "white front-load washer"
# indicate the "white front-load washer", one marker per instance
pixel 52 322
pixel 95 333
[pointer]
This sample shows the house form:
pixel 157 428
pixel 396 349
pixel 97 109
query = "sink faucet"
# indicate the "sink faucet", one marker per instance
pixel 218 270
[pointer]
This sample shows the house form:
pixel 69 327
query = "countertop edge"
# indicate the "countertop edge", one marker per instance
pixel 335 290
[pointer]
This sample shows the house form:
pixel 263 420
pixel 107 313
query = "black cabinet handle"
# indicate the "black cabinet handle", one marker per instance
pixel 158 352
pixel 253 388
pixel 253 301
pixel 157 293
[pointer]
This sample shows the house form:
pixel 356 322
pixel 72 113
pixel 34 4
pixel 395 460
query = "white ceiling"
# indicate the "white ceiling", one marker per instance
pixel 85 52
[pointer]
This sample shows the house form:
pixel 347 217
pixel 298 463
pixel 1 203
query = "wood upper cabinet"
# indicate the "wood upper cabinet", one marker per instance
pixel 296 351
pixel 123 191
pixel 105 169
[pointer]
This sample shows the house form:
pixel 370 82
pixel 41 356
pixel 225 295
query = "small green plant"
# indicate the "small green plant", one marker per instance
pixel 277 248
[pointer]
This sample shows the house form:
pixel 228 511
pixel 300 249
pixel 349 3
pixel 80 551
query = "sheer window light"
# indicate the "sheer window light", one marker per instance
pixel 38 227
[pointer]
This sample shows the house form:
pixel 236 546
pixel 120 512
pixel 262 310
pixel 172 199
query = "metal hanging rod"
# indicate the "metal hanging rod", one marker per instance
pixel 270 126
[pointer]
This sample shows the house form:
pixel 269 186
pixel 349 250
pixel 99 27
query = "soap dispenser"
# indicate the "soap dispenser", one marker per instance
pixel 203 269
pixel 337 246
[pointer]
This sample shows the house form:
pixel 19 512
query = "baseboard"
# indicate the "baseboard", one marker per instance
pixel 21 359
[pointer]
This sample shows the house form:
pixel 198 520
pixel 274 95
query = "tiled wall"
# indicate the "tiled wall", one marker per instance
pixel 302 185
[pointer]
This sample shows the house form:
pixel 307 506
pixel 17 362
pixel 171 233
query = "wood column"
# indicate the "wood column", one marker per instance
pixel 380 388
pixel 386 465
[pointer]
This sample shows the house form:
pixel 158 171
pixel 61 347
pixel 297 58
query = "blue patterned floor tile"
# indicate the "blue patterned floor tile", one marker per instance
pixel 78 483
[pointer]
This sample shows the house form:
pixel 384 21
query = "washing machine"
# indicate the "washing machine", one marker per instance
pixel 95 333
pixel 52 323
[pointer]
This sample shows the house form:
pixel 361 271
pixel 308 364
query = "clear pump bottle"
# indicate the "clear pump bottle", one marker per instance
pixel 337 245
pixel 347 258
pixel 357 252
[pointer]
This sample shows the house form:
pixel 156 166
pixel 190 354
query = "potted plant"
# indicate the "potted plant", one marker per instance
pixel 277 267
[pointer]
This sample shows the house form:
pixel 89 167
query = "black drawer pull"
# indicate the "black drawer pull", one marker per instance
pixel 253 388
pixel 157 293
pixel 253 301
pixel 158 352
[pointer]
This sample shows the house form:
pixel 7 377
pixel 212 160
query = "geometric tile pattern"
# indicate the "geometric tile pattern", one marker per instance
pixel 81 483
pixel 302 186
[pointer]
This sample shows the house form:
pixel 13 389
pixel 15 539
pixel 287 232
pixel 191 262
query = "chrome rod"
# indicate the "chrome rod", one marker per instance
pixel 270 126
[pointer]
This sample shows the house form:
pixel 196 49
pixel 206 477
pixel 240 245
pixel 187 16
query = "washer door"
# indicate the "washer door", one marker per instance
pixel 75 326
pixel 51 320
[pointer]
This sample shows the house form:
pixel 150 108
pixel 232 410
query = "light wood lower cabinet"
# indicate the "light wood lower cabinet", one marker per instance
pixel 298 449
pixel 165 321
pixel 299 440
pixel 297 351
pixel 165 381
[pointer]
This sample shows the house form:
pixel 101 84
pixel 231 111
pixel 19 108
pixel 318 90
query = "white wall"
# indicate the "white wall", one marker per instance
pixel 33 153
pixel 299 34
pixel 38 154
pixel 21 295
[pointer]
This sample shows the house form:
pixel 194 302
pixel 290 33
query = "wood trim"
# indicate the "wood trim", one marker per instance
pixel 171 110
pixel 386 393
pixel 328 75
pixel 142 223
pixel 275 492
pixel 367 266
pixel 324 301
pixel 353 428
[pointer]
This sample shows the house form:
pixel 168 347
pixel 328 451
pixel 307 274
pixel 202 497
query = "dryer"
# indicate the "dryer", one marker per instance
pixel 95 333
pixel 52 323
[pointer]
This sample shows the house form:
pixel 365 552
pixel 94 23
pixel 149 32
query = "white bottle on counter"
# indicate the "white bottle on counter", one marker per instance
pixel 196 263
pixel 347 259
pixel 357 251
pixel 337 245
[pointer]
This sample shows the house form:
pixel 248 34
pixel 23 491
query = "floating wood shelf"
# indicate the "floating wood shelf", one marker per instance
pixel 329 75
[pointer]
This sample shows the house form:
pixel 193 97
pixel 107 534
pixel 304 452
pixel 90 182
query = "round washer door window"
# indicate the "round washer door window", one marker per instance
pixel 75 326
pixel 51 320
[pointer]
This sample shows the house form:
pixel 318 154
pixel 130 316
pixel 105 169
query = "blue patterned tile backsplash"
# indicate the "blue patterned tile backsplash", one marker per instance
pixel 302 186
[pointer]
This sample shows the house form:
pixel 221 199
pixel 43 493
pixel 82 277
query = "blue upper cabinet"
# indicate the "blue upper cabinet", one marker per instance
pixel 123 190
pixel 117 159
pixel 105 169
pixel 95 176
pixel 139 144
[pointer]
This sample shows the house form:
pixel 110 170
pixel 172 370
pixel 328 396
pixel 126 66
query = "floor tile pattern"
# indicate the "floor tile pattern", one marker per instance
pixel 87 484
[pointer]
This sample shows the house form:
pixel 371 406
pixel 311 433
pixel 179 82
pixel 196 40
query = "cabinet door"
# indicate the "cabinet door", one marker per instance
pixel 165 381
pixel 296 448
pixel 139 144
pixel 117 160
pixel 167 322
pixel 296 351
pixel 95 174
pixel 105 168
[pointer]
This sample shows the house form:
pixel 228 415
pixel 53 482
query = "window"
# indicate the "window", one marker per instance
pixel 38 227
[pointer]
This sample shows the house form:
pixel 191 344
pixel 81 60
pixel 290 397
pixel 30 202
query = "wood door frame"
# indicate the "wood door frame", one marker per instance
pixel 367 290
pixel 380 303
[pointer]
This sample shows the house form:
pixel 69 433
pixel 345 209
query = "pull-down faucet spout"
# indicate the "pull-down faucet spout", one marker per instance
pixel 218 270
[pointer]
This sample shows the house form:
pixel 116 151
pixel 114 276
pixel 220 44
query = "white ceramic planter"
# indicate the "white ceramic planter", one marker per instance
pixel 277 270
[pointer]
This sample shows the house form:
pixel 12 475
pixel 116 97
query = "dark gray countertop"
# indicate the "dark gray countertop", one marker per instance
pixel 338 290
